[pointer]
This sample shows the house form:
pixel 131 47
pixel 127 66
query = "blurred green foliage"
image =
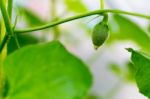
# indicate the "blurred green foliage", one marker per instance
pixel 31 18
pixel 75 6
pixel 92 97
pixel 142 66
pixel 126 72
pixel 130 72
pixel 128 30
pixel 46 71
pixel 24 40
pixel 149 28
pixel 115 69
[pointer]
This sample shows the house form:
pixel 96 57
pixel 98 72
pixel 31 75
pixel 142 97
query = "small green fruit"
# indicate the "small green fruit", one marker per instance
pixel 100 34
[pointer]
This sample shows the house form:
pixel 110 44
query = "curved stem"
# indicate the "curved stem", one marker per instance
pixel 78 17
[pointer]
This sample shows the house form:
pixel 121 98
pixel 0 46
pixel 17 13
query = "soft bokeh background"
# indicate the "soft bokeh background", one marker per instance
pixel 110 64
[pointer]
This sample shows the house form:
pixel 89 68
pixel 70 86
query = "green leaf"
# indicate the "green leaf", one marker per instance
pixel 129 30
pixel 75 6
pixel 141 62
pixel 46 71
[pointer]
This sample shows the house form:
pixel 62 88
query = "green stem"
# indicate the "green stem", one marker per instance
pixel 105 19
pixel 9 8
pixel 55 17
pixel 78 17
pixel 7 21
pixel 6 18
pixel 102 4
pixel 6 37
pixel 4 42
pixel 3 53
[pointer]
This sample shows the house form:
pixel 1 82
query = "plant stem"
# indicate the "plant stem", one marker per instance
pixel 6 17
pixel 2 35
pixel 4 42
pixel 49 25
pixel 6 38
pixel 101 4
pixel 9 8
pixel 3 53
pixel 7 20
pixel 54 16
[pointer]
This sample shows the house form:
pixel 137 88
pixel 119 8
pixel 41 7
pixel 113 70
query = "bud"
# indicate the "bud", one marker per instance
pixel 100 33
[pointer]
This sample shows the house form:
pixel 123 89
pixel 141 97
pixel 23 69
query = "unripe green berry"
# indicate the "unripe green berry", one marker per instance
pixel 100 34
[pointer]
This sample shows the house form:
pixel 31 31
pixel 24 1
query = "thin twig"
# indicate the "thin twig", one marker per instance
pixel 99 12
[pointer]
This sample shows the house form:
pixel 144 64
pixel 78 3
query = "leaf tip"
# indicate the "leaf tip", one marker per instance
pixel 129 49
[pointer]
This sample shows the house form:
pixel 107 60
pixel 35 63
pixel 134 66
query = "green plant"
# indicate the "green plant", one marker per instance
pixel 49 71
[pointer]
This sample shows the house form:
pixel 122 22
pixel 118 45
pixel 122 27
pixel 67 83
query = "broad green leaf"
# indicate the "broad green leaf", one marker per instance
pixel 46 71
pixel 129 30
pixel 31 18
pixel 75 5
pixel 141 63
